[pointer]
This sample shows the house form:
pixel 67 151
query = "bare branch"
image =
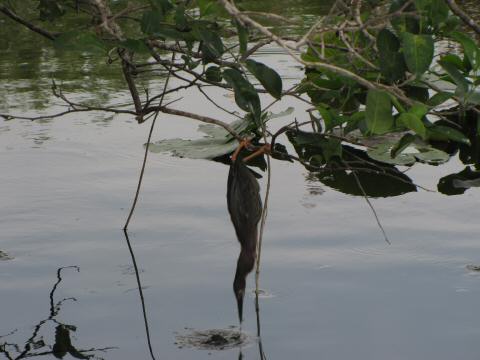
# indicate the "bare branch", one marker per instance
pixel 8 12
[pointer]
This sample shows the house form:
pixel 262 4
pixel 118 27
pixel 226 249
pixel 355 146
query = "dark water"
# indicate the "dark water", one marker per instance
pixel 335 289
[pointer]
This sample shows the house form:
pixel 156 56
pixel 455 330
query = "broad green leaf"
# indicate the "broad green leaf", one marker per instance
pixel 218 142
pixel 470 48
pixel 271 81
pixel 416 152
pixel 213 73
pixel 442 133
pixel 431 155
pixel 211 40
pixel 242 36
pixel 439 98
pixel 473 97
pixel 194 149
pixel 455 60
pixel 456 76
pixel 208 7
pixel 403 23
pixel 419 110
pixel 50 10
pixel 151 22
pixel 413 122
pixel 181 22
pixel 436 11
pixel 402 144
pixel 392 64
pixel 379 112
pixel 246 96
pixel 383 152
pixel 418 52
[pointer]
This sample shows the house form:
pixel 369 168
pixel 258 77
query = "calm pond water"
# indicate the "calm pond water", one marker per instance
pixel 335 289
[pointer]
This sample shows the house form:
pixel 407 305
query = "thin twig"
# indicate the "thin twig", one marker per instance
pixel 142 171
pixel 360 186
pixel 140 292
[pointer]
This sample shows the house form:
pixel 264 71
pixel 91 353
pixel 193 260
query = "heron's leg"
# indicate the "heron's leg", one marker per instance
pixel 265 149
pixel 243 144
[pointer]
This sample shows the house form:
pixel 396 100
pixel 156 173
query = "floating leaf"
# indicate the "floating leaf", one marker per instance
pixel 268 77
pixel 417 151
pixel 379 112
pixel 218 142
pixel 418 52
pixel 404 142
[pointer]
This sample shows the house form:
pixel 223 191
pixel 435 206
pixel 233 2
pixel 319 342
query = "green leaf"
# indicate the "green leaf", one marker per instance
pixel 402 144
pixel 383 153
pixel 242 36
pixel 454 60
pixel 413 122
pixel 271 81
pixel 470 49
pixel 50 10
pixel 212 42
pixel 151 22
pixel 218 142
pixel 456 76
pixel 392 64
pixel 443 133
pixel 181 22
pixel 409 155
pixel 213 73
pixel 418 52
pixel 246 96
pixel 403 23
pixel 379 112
pixel 208 7
pixel 439 98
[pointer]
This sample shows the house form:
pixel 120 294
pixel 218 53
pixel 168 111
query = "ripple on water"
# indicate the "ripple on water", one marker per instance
pixel 212 339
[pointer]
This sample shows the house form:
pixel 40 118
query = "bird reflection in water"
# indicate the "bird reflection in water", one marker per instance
pixel 245 208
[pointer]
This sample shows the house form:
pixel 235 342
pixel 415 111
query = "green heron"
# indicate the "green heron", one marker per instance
pixel 245 208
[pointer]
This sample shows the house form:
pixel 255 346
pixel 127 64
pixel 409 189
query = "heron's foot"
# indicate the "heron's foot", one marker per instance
pixel 245 143
pixel 265 149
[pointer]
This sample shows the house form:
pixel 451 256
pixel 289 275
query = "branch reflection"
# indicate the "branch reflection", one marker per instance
pixel 36 345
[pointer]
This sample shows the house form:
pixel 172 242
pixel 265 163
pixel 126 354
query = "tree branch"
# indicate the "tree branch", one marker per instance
pixel 33 27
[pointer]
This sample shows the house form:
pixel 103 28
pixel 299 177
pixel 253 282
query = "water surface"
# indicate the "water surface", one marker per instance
pixel 337 290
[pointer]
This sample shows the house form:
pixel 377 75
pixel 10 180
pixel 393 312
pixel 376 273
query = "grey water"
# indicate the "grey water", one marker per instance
pixel 335 289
